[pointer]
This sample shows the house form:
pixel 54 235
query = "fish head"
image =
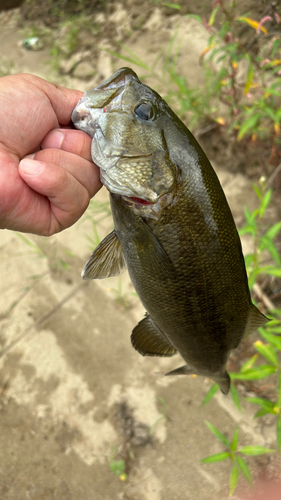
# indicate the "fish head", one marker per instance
pixel 125 120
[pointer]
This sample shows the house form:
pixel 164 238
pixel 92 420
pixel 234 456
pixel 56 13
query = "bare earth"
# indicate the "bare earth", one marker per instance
pixel 73 392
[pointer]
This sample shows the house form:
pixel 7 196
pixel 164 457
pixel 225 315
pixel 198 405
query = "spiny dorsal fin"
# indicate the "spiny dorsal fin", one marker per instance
pixel 148 340
pixel 106 261
pixel 255 320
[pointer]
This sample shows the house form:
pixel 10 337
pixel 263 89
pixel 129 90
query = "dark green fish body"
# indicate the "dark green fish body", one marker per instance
pixel 174 230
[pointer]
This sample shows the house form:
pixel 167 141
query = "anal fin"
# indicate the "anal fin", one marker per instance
pixel 255 320
pixel 223 380
pixel 148 340
pixel 107 259
pixel 182 370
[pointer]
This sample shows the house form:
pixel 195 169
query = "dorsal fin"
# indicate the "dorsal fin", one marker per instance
pixel 106 261
pixel 148 340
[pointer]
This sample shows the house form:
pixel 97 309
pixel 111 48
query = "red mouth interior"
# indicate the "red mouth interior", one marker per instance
pixel 140 201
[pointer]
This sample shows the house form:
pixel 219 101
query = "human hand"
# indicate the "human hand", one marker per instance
pixel 51 191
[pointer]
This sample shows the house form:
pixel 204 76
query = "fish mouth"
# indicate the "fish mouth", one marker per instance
pixel 137 202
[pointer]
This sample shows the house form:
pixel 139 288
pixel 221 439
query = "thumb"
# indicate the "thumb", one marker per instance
pixel 64 199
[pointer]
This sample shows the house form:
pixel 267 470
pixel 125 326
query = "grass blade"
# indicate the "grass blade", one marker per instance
pixel 235 396
pixel 217 457
pixel 261 413
pixel 249 364
pixel 234 440
pixel 233 479
pixel 257 373
pixel 255 450
pixel 218 434
pixel 267 351
pixel 264 403
pixel 243 466
pixel 211 392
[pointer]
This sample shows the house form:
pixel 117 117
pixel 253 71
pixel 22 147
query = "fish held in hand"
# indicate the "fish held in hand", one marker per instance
pixel 173 229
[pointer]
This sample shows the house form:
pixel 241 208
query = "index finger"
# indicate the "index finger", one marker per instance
pixel 73 141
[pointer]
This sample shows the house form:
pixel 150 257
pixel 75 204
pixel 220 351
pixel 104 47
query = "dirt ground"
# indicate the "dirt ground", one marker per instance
pixel 74 395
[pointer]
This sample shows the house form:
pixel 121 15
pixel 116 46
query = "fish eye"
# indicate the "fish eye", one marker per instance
pixel 144 111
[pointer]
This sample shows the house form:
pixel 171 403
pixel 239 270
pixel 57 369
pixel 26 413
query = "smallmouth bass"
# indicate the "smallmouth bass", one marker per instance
pixel 173 229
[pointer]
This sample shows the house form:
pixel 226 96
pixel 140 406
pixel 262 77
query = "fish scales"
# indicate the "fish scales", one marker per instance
pixel 173 229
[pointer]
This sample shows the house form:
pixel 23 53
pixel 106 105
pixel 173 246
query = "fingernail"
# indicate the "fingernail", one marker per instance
pixel 31 167
pixel 53 139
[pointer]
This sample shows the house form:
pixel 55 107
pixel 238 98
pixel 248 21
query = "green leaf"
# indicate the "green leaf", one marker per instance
pixel 211 392
pixel 247 230
pixel 234 440
pixel 233 479
pixel 272 339
pixel 261 413
pixel 255 450
pixel 265 201
pixel 213 15
pixel 275 328
pixel 235 396
pixel 270 113
pixel 267 244
pixel 218 434
pixel 267 351
pixel 132 60
pixel 273 271
pixel 117 466
pixel 243 466
pixel 249 259
pixel 278 433
pixel 264 403
pixel 194 16
pixel 248 125
pixel 249 363
pixel 273 230
pixel 250 216
pixel 217 457
pixel 29 243
pixel 257 373
pixel 257 191
pixel 172 5
pixel 249 80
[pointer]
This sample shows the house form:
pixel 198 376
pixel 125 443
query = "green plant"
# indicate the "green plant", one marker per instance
pixel 262 242
pixel 117 466
pixel 228 50
pixel 251 101
pixel 239 465
pixel 263 261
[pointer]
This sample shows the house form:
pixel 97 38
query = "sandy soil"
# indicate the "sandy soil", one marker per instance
pixel 73 392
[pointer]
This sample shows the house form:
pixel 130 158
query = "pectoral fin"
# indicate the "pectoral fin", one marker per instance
pixel 255 320
pixel 148 340
pixel 142 248
pixel 106 261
